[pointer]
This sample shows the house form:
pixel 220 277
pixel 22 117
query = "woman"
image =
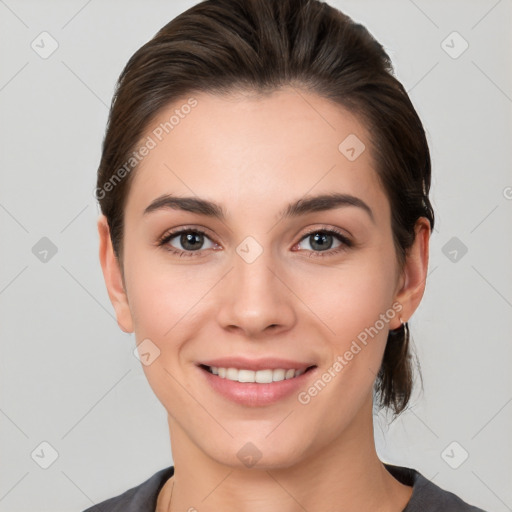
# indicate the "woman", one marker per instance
pixel 265 230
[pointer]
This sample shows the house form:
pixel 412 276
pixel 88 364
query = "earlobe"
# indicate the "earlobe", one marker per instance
pixel 413 278
pixel 113 277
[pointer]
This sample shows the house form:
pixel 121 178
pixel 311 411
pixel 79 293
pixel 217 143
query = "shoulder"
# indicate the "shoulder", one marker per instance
pixel 139 498
pixel 427 496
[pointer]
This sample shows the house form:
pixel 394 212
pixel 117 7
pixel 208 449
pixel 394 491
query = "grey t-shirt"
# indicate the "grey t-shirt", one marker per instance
pixel 426 496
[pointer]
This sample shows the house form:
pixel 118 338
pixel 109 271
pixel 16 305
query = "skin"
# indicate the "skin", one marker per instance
pixel 254 155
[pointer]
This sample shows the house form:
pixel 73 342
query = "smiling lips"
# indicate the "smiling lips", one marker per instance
pixel 263 371
pixel 255 382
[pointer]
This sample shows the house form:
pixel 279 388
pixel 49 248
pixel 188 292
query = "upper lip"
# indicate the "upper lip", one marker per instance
pixel 264 363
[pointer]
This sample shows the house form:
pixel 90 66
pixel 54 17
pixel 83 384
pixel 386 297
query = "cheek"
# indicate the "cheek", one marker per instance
pixel 353 295
pixel 355 304
pixel 161 295
pixel 355 308
pixel 164 307
pixel 171 305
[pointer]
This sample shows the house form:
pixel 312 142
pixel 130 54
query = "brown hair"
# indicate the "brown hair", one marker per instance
pixel 221 46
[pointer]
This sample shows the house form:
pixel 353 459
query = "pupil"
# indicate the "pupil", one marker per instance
pixel 320 240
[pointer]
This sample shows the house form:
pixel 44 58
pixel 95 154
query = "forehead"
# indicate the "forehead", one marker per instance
pixel 248 149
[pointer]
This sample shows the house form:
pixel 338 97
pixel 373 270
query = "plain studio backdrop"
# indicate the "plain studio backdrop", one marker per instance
pixel 79 422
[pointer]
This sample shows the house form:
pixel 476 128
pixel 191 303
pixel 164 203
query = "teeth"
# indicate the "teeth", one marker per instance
pixel 260 376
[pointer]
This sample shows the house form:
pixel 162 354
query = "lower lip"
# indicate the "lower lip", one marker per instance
pixel 253 394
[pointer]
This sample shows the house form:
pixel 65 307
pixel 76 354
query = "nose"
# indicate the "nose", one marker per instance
pixel 255 299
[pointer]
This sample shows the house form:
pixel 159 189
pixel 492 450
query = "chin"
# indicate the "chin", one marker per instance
pixel 259 453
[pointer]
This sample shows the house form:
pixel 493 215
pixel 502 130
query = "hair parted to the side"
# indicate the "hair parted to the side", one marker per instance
pixel 223 46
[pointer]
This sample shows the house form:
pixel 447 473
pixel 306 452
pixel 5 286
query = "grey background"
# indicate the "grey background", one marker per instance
pixel 68 374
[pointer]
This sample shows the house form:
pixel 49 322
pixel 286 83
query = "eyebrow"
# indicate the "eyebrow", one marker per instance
pixel 300 207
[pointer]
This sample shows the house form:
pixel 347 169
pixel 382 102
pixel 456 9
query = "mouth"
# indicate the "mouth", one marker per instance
pixel 263 376
pixel 256 381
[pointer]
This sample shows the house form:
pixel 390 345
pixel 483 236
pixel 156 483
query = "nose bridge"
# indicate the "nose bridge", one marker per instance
pixel 255 298
pixel 253 276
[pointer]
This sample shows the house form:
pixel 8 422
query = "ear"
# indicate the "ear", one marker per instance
pixel 113 277
pixel 412 280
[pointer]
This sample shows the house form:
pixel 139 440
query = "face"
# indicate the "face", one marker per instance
pixel 308 287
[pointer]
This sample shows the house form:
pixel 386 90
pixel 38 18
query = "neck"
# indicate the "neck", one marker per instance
pixel 344 475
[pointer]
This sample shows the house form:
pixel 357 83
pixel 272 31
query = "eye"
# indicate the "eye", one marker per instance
pixel 189 241
pixel 322 241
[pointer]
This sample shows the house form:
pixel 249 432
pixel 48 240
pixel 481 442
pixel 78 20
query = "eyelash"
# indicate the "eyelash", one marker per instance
pixel 167 237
